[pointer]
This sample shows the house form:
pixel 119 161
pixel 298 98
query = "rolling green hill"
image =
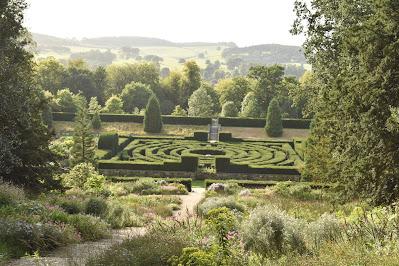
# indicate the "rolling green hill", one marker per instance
pixel 106 50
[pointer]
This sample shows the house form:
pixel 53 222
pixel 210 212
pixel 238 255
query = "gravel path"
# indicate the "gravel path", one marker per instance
pixel 189 203
pixel 78 254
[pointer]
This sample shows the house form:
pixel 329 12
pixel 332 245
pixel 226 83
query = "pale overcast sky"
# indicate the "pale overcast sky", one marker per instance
pixel 245 22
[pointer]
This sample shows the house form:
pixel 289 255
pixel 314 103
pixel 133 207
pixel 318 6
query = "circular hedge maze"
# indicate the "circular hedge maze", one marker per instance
pixel 253 153
pixel 185 154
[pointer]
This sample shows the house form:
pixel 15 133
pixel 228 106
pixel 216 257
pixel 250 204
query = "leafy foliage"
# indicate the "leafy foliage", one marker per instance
pixel 84 176
pixel 179 111
pixel 357 76
pixel 113 105
pixel 25 158
pixel 200 103
pixel 135 95
pixel 250 106
pixel 229 109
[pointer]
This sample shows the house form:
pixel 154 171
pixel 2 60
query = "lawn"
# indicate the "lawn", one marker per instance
pixel 185 130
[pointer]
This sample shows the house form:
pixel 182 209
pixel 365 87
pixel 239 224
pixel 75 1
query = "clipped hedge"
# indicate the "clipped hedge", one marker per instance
pixel 186 120
pixel 201 135
pixel 223 165
pixel 109 141
pixel 189 120
pixel 187 164
pixel 259 122
pixel 187 182
pixel 241 122
pixel 225 136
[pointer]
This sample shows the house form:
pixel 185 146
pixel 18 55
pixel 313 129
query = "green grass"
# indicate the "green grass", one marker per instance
pixel 198 183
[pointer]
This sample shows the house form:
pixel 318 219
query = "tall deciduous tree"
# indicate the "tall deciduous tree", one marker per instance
pixel 354 51
pixel 152 116
pixel 229 109
pixel 191 81
pixel 80 79
pixel 50 74
pixel 233 90
pixel 25 158
pixel 200 104
pixel 119 75
pixel 173 86
pixel 250 106
pixel 113 105
pixel 268 83
pixel 101 83
pixel 135 95
pixel 83 149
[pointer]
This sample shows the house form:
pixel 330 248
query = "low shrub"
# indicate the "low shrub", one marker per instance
pixel 142 185
pixel 325 229
pixel 96 207
pixel 153 248
pixel 62 147
pixel 120 216
pixel 296 190
pixel 90 228
pixel 84 176
pixel 71 206
pixel 271 232
pixel 187 182
pixel 10 194
pixel 217 202
pixel 18 238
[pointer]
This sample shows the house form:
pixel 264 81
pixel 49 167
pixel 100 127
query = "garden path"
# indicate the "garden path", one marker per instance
pixel 78 254
pixel 189 203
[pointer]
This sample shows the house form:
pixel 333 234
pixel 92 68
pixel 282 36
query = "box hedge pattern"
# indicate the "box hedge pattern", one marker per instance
pixel 188 154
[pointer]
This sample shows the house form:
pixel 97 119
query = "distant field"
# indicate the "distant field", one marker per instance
pixel 184 130
pixel 170 55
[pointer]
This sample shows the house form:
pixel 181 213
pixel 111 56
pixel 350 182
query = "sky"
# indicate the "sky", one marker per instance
pixel 245 22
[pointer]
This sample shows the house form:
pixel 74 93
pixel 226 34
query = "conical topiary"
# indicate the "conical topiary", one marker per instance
pixel 152 116
pixel 274 124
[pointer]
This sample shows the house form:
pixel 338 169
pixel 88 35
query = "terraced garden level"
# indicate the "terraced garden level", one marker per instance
pixel 189 155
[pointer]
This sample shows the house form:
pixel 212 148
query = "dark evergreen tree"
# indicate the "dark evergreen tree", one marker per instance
pixel 25 158
pixel 152 116
pixel 83 149
pixel 274 124
pixel 354 52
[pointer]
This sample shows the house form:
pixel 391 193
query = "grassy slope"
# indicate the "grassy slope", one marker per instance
pixel 184 130
pixel 170 55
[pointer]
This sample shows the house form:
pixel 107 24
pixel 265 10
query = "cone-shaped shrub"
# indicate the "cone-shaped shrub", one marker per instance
pixel 274 125
pixel 152 116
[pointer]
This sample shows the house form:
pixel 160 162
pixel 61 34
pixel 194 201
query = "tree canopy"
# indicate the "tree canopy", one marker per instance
pixel 354 52
pixel 25 158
